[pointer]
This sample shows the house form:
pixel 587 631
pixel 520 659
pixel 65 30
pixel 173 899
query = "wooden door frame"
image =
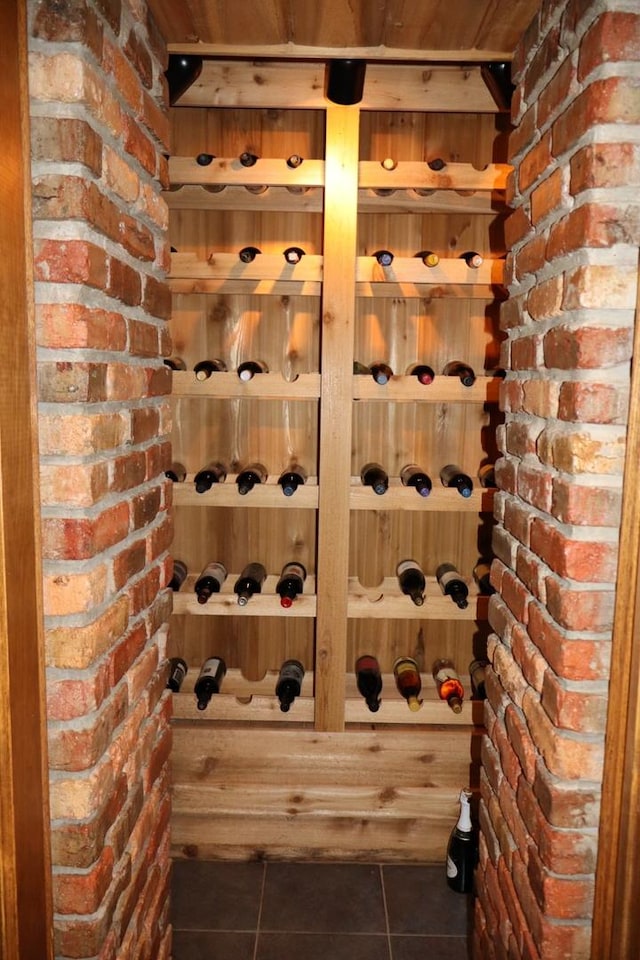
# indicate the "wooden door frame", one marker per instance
pixel 616 919
pixel 25 865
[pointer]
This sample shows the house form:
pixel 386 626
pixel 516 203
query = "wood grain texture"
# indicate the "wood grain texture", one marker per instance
pixel 25 868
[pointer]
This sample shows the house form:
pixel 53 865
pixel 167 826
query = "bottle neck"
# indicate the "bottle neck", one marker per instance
pixel 464 820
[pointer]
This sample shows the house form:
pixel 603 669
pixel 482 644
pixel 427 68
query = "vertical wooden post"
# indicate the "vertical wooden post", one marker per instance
pixel 336 353
pixel 25 871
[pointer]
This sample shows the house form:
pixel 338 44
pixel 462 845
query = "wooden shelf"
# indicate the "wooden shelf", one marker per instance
pixel 441 390
pixel 399 497
pixel 226 494
pixel 419 176
pixel 229 170
pixel 242 700
pixel 264 604
pixel 269 386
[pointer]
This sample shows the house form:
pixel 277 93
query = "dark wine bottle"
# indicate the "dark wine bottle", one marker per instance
pixel 413 476
pixel 292 478
pixel 381 372
pixel 482 576
pixel 247 479
pixel 436 164
pixel 204 159
pixel 373 475
pixel 249 368
pixel 293 255
pixel 487 475
pixel 294 161
pixel 256 188
pixel 384 257
pixel 209 680
pixel 452 476
pixel 177 672
pixel 289 685
pixel 461 852
pixel 204 368
pixel 448 683
pixel 178 576
pixel 176 472
pixel 412 580
pixel 477 673
pixel 175 363
pixel 248 254
pixel 452 584
pixel 369 681
pixel 248 159
pixel 213 472
pixel 408 681
pixel 182 71
pixel 249 582
pixel 429 258
pixel 423 372
pixel 457 368
pixel 472 259
pixel 210 581
pixel 291 583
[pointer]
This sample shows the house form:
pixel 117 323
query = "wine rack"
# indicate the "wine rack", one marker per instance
pixel 309 322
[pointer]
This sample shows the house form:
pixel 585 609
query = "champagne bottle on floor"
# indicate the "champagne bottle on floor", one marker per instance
pixel 209 680
pixel 461 852
pixel 289 685
pixel 369 681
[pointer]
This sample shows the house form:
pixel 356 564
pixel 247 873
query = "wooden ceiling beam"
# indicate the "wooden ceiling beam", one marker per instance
pixel 294 51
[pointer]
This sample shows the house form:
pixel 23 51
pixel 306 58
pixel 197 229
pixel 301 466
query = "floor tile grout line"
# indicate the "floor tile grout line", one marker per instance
pixel 260 906
pixel 386 910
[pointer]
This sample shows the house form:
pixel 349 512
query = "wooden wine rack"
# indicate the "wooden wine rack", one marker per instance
pixel 329 778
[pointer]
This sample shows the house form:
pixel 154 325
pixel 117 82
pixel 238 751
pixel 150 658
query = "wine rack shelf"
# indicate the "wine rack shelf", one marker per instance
pixel 270 386
pixel 267 494
pixel 399 497
pixel 441 390
pixel 383 601
pixel 255 700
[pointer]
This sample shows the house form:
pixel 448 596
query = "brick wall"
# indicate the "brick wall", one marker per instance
pixel 572 270
pixel 99 133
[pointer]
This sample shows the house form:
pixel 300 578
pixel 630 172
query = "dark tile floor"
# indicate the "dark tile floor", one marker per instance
pixel 317 911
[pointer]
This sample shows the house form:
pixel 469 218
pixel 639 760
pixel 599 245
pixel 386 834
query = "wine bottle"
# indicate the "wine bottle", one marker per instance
pixel 413 476
pixel 361 369
pixel 182 71
pixel 176 472
pixel 457 368
pixel 291 479
pixel 477 673
pixel 408 681
pixel 290 583
pixel 487 475
pixel 436 164
pixel 210 581
pixel 205 368
pixel 204 159
pixel 248 159
pixel 482 576
pixel 247 479
pixel 213 472
pixel 177 672
pixel 369 681
pixel 373 475
pixel 293 254
pixel 384 257
pixel 388 163
pixel 175 363
pixel 249 368
pixel 256 187
pixel 294 161
pixel 381 372
pixel 452 584
pixel 448 683
pixel 249 582
pixel 289 685
pixel 178 576
pixel 209 680
pixel 452 476
pixel 412 580
pixel 248 254
pixel 461 852
pixel 423 372
pixel 472 259
pixel 429 258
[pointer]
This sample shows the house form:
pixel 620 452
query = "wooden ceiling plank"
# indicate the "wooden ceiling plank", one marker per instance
pixel 375 53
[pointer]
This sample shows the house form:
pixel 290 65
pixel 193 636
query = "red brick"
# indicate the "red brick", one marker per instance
pixel 126 652
pixel 594 225
pixel 583 560
pixel 605 165
pixel 70 261
pixel 154 117
pixel 512 313
pixel 531 257
pixel 111 10
pixel 565 898
pixel 144 424
pixel 571 657
pixel 124 283
pixel 547 54
pixel 586 504
pixel 615 36
pixel 523 134
pixel 547 197
pixel 581 707
pixel 593 285
pixel 144 589
pixel 140 675
pixel 511 396
pixel 83 892
pixel 526 352
pixel 128 563
pixel 65 381
pixel 532 572
pixel 79 539
pixel 79 844
pixel 159 384
pixel 68 698
pixel 540 396
pixel 77 484
pixel 555 93
pixel 584 401
pixel 506 473
pixel 143 339
pixel 535 484
pixel 535 163
pixel 583 450
pixel 562 850
pixel 137 144
pixel 517 226
pixel 128 471
pixel 139 56
pixel 78 646
pixel 568 755
pixel 71 325
pixel 508 671
pixel 566 803
pixel 79 745
pixel 576 609
pixel 75 23
pixel 611 100
pixel 517 519
pixel 67 140
pixel 584 347
pixel 157 298
pixel 520 740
